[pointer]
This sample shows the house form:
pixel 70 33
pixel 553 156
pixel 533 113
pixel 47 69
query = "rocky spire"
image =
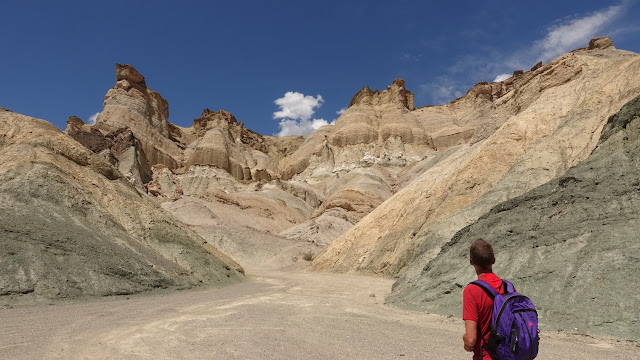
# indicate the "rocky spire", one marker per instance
pixel 601 43
pixel 395 93
pixel 130 74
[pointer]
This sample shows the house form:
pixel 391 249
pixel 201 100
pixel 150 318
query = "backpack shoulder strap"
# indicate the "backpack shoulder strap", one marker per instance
pixel 508 286
pixel 491 292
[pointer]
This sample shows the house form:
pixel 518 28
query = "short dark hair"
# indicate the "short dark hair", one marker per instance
pixel 481 253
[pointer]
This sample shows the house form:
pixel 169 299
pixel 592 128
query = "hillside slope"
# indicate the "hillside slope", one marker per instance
pixel 570 244
pixel 528 130
pixel 72 225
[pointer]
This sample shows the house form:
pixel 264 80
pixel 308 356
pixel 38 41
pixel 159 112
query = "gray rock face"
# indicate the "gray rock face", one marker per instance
pixel 571 244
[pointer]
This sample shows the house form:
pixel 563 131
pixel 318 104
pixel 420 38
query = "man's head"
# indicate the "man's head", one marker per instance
pixel 481 254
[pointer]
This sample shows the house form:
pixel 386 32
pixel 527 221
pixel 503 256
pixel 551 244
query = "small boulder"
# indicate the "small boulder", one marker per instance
pixel 74 124
pixel 537 66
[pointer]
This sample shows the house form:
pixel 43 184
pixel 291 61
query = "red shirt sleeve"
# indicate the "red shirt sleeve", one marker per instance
pixel 469 303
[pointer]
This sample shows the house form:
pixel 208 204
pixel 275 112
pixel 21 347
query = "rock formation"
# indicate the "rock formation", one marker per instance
pixel 72 225
pixel 339 178
pixel 395 93
pixel 601 43
pixel 119 147
pixel 131 104
pixel 440 167
pixel 388 189
pixel 547 121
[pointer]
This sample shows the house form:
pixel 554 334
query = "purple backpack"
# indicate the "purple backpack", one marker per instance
pixel 514 324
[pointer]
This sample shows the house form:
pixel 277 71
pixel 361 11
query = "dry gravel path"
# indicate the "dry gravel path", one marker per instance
pixel 277 315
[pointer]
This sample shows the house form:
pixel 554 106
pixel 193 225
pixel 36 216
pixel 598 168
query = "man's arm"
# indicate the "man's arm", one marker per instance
pixel 470 334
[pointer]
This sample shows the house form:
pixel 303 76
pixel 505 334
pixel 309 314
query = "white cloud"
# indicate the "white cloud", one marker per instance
pixel 341 111
pixel 569 35
pixel 563 36
pixel 92 118
pixel 303 127
pixel 295 113
pixel 295 105
pixel 502 77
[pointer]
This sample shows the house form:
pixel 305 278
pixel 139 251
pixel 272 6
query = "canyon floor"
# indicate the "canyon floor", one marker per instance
pixel 275 315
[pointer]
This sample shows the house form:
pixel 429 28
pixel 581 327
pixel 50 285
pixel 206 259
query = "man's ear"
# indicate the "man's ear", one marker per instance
pixel 470 261
pixel 494 261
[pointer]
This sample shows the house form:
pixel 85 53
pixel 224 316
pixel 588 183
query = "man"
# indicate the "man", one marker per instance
pixel 477 305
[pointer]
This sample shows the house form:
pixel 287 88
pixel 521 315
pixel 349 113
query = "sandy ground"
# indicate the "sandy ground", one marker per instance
pixel 277 315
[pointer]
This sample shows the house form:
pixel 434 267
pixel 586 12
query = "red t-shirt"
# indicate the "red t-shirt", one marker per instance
pixel 478 306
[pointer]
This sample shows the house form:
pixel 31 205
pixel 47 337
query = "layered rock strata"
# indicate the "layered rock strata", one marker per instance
pixel 548 122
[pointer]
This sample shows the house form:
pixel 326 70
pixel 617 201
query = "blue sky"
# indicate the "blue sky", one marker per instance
pixel 283 67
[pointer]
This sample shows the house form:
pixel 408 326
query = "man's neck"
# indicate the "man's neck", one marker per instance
pixel 483 271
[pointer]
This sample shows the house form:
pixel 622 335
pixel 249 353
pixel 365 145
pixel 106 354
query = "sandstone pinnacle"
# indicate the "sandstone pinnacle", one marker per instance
pixel 129 73
pixel 601 43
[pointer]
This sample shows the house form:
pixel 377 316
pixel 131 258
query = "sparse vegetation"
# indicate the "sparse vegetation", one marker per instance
pixel 309 255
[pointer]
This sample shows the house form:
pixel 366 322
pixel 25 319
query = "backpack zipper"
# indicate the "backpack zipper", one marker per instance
pixel 524 322
pixel 525 310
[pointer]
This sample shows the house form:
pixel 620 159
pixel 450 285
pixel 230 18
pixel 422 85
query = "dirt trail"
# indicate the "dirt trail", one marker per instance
pixel 277 315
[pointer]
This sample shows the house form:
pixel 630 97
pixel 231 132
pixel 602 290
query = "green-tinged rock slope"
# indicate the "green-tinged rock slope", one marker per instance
pixel 571 244
pixel 71 225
